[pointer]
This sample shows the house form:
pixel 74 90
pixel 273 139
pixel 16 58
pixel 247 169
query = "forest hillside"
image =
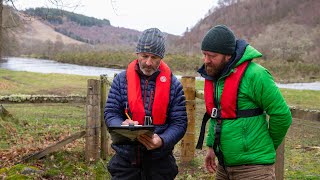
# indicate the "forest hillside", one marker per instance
pixel 286 30
pixel 283 30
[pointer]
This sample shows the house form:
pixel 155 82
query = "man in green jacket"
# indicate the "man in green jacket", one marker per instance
pixel 239 95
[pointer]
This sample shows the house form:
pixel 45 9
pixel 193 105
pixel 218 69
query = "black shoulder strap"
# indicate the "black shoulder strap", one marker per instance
pixel 205 119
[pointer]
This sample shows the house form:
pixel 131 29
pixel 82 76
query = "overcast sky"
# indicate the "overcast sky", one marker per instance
pixel 171 16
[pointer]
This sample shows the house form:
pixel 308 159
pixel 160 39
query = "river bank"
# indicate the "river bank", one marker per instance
pixel 283 71
pixel 30 83
pixel 50 66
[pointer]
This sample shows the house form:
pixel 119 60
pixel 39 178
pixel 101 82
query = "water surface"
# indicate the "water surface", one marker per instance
pixel 50 66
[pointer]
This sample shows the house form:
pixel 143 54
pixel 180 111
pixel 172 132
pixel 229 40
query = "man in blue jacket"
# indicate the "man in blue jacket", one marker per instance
pixel 147 90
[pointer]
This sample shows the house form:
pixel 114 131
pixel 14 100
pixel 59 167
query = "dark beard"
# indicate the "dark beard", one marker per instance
pixel 215 72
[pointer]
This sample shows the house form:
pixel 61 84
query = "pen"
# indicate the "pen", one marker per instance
pixel 126 111
pixel 128 116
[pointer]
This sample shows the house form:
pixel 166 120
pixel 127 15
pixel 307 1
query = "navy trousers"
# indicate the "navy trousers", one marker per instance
pixel 148 169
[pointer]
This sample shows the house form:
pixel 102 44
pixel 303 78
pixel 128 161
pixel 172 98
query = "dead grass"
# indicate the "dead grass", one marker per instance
pixel 43 124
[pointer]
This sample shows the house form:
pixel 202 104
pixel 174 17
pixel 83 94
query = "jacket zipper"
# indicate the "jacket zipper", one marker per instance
pixel 217 99
pixel 150 99
pixel 145 91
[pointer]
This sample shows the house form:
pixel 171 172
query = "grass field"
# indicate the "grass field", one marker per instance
pixel 33 127
pixel 16 82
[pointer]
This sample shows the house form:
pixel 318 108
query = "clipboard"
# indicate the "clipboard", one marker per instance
pixel 128 134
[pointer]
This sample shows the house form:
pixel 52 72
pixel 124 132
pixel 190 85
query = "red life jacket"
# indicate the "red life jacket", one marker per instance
pixel 161 97
pixel 228 107
pixel 228 102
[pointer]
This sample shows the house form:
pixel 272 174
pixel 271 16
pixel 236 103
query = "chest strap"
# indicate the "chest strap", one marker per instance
pixel 240 114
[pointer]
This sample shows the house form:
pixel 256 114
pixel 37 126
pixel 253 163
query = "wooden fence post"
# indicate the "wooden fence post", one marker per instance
pixel 104 138
pixel 93 120
pixel 279 167
pixel 188 141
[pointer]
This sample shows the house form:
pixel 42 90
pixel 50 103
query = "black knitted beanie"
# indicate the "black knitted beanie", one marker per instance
pixel 219 39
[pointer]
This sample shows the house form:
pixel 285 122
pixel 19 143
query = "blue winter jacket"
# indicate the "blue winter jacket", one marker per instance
pixel 173 129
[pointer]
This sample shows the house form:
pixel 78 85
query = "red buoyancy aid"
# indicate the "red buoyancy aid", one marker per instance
pixel 161 98
pixel 228 109
pixel 228 105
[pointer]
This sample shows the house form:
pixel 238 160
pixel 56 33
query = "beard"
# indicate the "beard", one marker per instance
pixel 215 70
pixel 146 70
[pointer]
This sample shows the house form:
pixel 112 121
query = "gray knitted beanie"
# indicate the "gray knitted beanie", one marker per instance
pixel 151 41
pixel 219 39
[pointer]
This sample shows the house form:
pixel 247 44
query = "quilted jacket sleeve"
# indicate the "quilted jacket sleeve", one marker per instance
pixel 177 116
pixel 267 95
pixel 210 136
pixel 113 112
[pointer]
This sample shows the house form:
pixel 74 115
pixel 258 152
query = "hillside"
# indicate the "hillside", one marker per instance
pixel 43 24
pixel 286 30
pixel 35 30
pixel 79 27
pixel 281 29
pixel 288 35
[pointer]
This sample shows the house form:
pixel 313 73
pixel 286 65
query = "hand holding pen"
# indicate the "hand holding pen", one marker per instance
pixel 128 121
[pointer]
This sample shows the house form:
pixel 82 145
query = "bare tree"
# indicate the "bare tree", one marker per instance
pixel 4 29
pixel 1 43
pixel 1 26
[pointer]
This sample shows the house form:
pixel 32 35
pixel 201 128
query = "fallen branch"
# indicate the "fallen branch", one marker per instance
pixel 54 147
pixel 308 148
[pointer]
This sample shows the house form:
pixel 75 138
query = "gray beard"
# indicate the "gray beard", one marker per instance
pixel 144 72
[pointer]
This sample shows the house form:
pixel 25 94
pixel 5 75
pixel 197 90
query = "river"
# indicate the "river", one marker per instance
pixel 49 66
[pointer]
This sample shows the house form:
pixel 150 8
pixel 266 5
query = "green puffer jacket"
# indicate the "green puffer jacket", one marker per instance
pixel 252 140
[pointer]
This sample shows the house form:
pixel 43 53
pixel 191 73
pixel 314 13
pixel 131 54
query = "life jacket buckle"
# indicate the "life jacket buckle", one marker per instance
pixel 214 113
pixel 147 120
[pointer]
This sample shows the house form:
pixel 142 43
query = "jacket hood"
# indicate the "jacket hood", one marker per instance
pixel 244 52
pixel 247 53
